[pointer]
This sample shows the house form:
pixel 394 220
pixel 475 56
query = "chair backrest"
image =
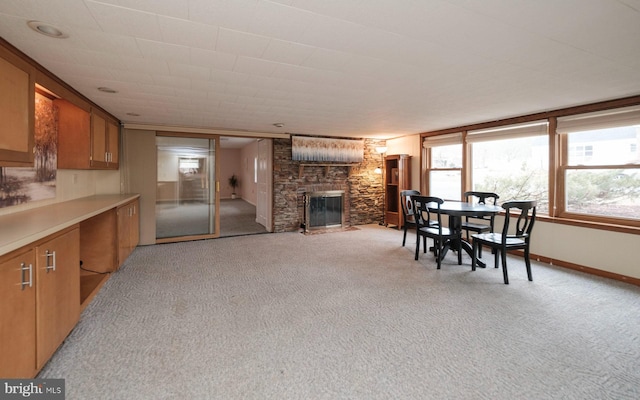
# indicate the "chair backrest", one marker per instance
pixel 423 208
pixel 521 226
pixel 407 204
pixel 483 197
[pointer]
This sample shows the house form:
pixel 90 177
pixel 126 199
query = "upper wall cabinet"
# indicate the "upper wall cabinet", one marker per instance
pixel 17 104
pixel 105 138
pixel 87 140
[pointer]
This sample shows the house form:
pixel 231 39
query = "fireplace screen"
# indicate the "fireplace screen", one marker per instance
pixel 324 209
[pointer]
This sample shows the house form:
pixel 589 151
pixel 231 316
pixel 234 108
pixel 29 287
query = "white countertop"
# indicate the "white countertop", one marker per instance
pixel 25 227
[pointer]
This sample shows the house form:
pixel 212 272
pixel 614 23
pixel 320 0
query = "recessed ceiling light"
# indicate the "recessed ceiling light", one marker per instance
pixel 278 124
pixel 47 30
pixel 107 90
pixel 132 114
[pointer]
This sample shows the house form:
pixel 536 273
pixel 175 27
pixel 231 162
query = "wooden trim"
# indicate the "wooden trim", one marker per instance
pixel 185 238
pixel 582 268
pixel 562 112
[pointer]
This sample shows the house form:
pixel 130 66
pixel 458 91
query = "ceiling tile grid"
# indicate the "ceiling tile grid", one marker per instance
pixel 360 68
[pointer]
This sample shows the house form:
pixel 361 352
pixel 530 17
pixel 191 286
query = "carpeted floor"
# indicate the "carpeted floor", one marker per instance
pixel 347 315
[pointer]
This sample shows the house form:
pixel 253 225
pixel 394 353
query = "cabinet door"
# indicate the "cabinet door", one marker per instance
pixel 58 292
pixel 74 136
pixel 128 230
pixel 98 140
pixel 18 316
pixel 124 233
pixel 17 109
pixel 113 142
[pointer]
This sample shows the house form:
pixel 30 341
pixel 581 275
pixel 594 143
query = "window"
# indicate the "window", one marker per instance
pixel 513 162
pixel 444 168
pixel 603 180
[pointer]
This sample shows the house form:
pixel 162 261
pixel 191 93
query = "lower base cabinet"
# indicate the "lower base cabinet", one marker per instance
pixel 58 292
pixel 45 285
pixel 40 302
pixel 18 314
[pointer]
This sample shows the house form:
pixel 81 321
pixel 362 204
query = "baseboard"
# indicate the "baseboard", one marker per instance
pixel 582 268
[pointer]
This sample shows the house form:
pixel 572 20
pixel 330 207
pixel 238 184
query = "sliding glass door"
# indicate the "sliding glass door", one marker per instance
pixel 186 195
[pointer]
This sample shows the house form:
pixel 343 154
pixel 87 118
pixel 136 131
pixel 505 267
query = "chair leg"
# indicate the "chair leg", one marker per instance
pixel 417 246
pixel 436 244
pixel 474 256
pixel 404 238
pixel 480 251
pixel 504 266
pixel 460 251
pixel 527 262
pixel 496 257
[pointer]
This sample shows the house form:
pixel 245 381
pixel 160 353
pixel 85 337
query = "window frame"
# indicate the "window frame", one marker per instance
pixel 453 138
pixel 557 154
pixel 561 173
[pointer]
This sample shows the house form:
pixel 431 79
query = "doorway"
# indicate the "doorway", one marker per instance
pixel 194 198
pixel 186 198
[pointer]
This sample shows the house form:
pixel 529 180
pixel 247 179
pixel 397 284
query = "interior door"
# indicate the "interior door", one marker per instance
pixel 187 201
pixel 264 198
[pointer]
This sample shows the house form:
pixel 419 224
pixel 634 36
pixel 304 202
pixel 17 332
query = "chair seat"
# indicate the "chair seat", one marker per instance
pixel 433 230
pixel 470 226
pixel 493 237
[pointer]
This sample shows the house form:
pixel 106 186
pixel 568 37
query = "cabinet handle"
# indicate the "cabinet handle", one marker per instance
pixel 24 268
pixel 50 256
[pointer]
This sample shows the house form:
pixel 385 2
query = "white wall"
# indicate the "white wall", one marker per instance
pixel 593 248
pixel 408 145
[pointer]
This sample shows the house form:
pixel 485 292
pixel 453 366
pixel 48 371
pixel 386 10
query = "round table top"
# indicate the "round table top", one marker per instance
pixel 463 208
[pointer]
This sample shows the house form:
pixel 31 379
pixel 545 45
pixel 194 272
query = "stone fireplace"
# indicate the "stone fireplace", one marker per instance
pixel 324 209
pixel 362 200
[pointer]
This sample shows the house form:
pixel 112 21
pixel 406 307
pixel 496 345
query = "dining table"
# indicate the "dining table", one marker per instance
pixel 456 210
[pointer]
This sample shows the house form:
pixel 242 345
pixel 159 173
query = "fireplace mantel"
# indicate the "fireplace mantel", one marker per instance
pixel 326 167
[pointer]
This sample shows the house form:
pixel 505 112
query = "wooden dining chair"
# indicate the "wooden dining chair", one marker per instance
pixel 479 224
pixel 515 235
pixel 407 211
pixel 428 217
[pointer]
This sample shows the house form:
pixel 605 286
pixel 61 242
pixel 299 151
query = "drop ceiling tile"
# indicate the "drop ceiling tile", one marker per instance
pixel 125 21
pixel 213 59
pixel 287 52
pixel 333 8
pixel 187 33
pixel 254 66
pixel 279 21
pixel 156 50
pixel 177 9
pixel 146 65
pixel 231 14
pixel 241 43
pixel 189 71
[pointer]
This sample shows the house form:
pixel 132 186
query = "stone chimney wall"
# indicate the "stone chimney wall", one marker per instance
pixel 362 186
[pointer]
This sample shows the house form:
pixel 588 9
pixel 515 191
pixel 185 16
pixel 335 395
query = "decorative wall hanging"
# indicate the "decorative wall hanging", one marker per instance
pixel 305 148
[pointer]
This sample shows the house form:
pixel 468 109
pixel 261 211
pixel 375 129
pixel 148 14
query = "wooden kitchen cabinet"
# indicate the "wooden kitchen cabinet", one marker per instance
pixel 58 291
pixel 18 314
pixel 105 140
pixel 87 139
pixel 40 286
pixel 17 110
pixel 74 135
pixel 128 229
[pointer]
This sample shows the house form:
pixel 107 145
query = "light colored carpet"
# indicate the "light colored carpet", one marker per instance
pixel 347 315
